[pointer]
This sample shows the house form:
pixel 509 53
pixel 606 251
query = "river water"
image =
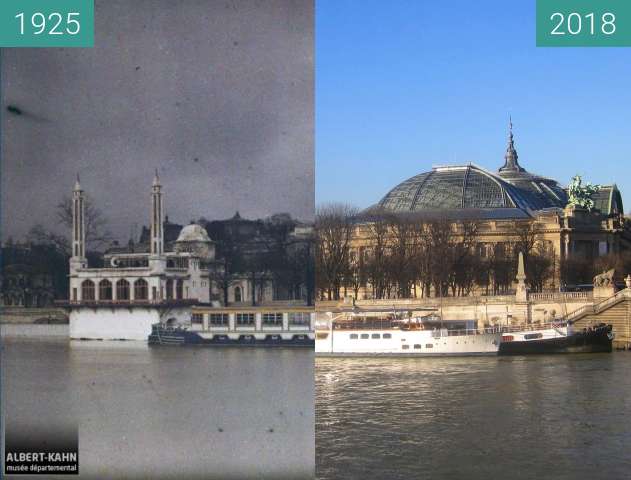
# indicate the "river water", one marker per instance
pixel 556 417
pixel 167 412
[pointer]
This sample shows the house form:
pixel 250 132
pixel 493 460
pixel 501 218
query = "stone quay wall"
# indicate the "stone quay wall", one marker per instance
pixel 486 310
pixel 22 315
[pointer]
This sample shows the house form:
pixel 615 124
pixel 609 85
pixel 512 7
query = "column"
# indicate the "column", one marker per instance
pixel 157 235
pixel 78 221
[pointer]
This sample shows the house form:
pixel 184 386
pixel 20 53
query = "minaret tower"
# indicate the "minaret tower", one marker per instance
pixel 157 234
pixel 78 259
pixel 511 165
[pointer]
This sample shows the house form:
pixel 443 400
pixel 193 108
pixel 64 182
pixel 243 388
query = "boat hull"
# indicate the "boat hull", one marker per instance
pixel 598 340
pixel 174 336
pixel 402 343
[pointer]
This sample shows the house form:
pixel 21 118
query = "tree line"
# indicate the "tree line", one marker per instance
pixel 262 250
pixel 390 255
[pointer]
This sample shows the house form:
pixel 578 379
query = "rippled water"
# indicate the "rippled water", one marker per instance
pixel 561 417
pixel 168 412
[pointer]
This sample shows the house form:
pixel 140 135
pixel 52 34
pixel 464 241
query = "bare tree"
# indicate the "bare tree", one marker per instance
pixel 40 236
pixel 403 251
pixel 378 268
pixel 334 227
pixel 96 234
pixel 439 238
pixel 540 267
pixel 464 257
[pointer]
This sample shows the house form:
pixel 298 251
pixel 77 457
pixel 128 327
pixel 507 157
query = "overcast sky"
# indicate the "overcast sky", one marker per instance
pixel 218 95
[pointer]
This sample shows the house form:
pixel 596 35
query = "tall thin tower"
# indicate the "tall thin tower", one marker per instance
pixel 157 234
pixel 78 259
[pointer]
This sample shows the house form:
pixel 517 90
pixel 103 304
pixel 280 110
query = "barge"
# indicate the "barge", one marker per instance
pixel 557 338
pixel 239 326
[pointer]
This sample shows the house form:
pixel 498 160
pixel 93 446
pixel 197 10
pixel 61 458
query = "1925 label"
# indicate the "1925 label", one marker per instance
pixel 43 23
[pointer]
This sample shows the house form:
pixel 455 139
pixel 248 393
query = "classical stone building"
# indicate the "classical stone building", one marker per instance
pixel 502 204
pixel 161 277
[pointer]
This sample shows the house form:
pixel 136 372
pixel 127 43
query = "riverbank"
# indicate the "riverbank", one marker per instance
pixel 22 315
pixel 35 331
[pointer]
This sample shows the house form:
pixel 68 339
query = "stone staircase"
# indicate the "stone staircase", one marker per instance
pixel 614 310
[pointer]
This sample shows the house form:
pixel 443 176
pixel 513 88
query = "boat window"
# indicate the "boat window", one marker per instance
pixel 322 335
pixel 272 318
pixel 299 318
pixel 531 336
pixel 245 318
pixel 417 345
pixel 353 336
pixel 387 335
pixel 197 318
pixel 429 345
pixel 219 319
pixel 364 335
pixel 405 347
pixel 376 335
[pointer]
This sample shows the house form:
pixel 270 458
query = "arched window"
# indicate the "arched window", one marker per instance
pixel 169 288
pixel 122 289
pixel 237 294
pixel 87 290
pixel 179 289
pixel 141 289
pixel 105 290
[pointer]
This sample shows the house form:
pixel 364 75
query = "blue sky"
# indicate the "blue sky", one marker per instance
pixel 404 85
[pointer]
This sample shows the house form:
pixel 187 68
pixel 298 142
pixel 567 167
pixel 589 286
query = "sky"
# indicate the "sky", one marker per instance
pixel 405 85
pixel 218 95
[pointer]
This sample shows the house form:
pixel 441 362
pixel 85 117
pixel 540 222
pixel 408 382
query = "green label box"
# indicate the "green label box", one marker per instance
pixel 584 23
pixel 46 23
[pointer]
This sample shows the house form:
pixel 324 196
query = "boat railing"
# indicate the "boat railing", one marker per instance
pixel 161 327
pixel 466 331
pixel 534 326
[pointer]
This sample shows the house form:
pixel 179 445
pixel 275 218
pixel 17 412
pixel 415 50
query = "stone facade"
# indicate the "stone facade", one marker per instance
pixel 502 204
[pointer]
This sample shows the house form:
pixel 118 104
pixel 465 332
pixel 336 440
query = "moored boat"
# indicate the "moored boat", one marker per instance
pixel 557 338
pixel 278 325
pixel 394 337
pixel 167 335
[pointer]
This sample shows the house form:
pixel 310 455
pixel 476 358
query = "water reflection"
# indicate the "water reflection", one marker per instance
pixel 486 417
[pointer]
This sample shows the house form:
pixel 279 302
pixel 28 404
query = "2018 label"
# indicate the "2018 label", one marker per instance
pixel 573 23
pixel 583 23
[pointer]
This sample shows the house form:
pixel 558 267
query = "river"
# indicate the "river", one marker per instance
pixel 556 417
pixel 167 412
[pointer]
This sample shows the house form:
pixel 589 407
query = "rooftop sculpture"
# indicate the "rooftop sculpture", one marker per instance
pixel 579 194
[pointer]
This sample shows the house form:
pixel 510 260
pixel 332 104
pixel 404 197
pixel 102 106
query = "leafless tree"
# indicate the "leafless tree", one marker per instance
pixel 540 267
pixel 334 227
pixel 403 252
pixel 378 261
pixel 40 236
pixel 96 234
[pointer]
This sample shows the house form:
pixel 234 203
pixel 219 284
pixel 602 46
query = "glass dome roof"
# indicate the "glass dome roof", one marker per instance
pixel 471 187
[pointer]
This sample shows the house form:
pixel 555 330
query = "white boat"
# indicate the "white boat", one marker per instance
pixel 406 338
